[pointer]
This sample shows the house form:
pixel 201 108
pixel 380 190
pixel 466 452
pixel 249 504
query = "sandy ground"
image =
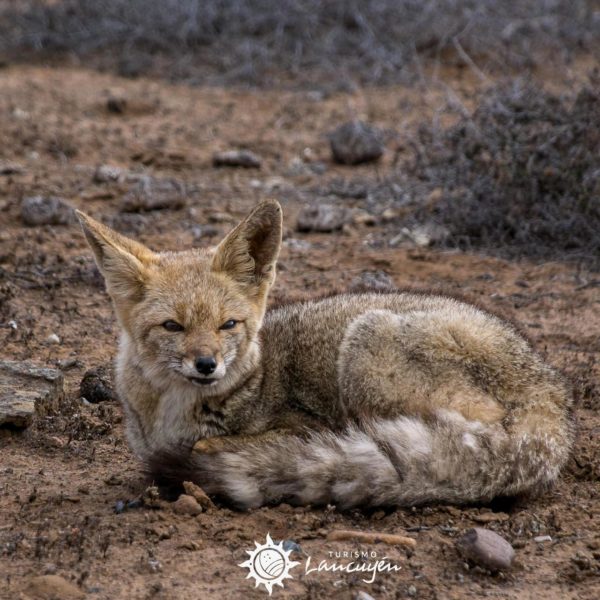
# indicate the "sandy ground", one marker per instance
pixel 61 479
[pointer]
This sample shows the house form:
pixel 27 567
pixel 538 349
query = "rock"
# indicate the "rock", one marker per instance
pixel 237 158
pixel 490 517
pixel 26 389
pixel 154 194
pixel 186 505
pixel 363 596
pixel 323 218
pixel 10 168
pixel 191 489
pixel 354 143
pixel 96 385
pixel 370 281
pixel 107 174
pixel 52 339
pixel 486 548
pixel 205 231
pixel 52 587
pixel 116 105
pixel 363 217
pixel 46 210
pixel 540 539
pixel 422 236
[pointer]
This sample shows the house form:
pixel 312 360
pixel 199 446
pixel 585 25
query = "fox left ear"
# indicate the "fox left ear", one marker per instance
pixel 249 253
pixel 122 261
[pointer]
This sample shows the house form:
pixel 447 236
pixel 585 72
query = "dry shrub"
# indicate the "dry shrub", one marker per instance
pixel 246 41
pixel 521 174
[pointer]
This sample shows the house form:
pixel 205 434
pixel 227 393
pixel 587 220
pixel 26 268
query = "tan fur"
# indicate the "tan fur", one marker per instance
pixel 370 399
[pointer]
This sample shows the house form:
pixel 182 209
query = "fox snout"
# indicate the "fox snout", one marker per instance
pixel 204 368
pixel 206 365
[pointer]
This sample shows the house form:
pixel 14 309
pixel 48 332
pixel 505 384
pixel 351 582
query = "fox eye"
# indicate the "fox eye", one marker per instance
pixel 172 326
pixel 229 324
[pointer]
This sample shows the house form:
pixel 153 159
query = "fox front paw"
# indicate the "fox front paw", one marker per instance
pixel 210 445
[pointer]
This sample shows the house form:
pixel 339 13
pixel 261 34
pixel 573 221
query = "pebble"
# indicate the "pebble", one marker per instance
pixel 322 218
pixel 46 210
pixel 542 538
pixel 96 386
pixel 53 339
pixel 237 158
pixel 355 142
pixel 378 281
pixel 186 505
pixel 363 596
pixel 196 492
pixel 106 174
pixel 486 548
pixel 10 168
pixel 154 194
pixel 421 235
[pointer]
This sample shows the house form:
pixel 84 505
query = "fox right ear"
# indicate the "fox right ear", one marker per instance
pixel 123 262
pixel 249 253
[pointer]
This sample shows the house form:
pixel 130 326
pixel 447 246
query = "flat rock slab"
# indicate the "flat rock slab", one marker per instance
pixel 26 389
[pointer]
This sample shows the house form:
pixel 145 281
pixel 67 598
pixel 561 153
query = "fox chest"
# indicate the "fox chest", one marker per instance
pixel 183 419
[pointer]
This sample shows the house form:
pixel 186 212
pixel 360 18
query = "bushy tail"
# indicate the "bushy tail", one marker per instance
pixel 401 462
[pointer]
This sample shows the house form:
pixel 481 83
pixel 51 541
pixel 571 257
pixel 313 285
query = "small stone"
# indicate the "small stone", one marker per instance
pixel 288 545
pixel 191 489
pixel 116 105
pixel 323 218
pixel 363 596
pixel 96 385
pixel 107 174
pixel 53 339
pixel 362 217
pixel 412 590
pixel 205 231
pixel 46 210
pixel 369 281
pixel 540 539
pixel 186 505
pixel 154 194
pixel 491 517
pixel 237 158
pixel 486 549
pixel 421 235
pixel 51 587
pixel 11 168
pixel 355 142
pixel 27 389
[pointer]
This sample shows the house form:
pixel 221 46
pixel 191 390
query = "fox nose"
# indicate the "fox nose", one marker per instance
pixel 206 365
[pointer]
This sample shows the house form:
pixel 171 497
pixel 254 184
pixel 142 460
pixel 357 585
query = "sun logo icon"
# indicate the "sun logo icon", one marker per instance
pixel 269 564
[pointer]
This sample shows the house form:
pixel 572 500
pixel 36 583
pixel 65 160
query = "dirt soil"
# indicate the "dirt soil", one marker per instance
pixel 62 478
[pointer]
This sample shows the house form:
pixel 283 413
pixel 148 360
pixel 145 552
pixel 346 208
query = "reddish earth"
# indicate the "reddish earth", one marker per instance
pixel 62 477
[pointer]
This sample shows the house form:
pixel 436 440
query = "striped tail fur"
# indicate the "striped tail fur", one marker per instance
pixel 405 461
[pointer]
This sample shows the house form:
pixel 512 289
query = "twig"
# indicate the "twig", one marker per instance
pixel 371 537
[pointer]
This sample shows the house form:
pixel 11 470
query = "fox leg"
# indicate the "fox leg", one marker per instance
pixel 411 363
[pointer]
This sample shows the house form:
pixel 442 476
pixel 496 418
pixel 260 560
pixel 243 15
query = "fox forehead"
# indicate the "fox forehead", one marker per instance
pixel 183 286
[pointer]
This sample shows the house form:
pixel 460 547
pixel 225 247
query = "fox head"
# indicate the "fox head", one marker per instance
pixel 192 317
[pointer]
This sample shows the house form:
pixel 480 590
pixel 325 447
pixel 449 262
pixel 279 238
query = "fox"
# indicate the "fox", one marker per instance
pixel 358 400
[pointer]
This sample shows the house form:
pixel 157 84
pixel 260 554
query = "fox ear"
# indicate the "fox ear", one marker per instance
pixel 123 262
pixel 249 253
